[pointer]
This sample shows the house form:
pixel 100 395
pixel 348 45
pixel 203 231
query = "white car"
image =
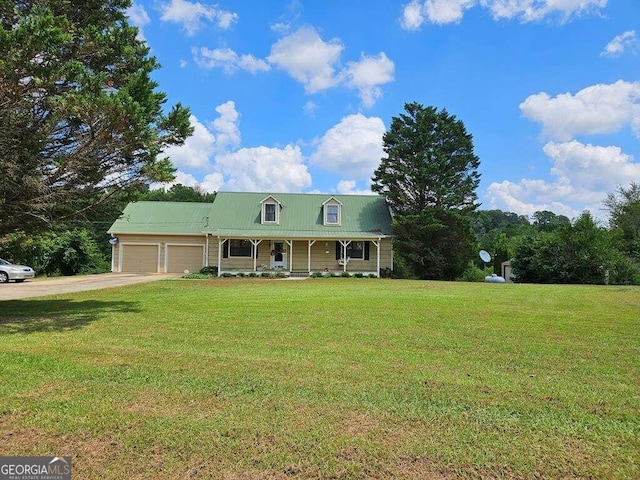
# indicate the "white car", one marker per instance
pixel 18 273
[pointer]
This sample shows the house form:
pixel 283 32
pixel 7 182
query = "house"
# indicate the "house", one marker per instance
pixel 298 234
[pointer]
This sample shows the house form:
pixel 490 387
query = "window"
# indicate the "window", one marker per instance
pixel 239 248
pixel 355 250
pixel 269 212
pixel 332 213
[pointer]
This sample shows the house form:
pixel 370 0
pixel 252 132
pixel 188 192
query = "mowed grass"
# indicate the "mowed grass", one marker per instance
pixel 326 378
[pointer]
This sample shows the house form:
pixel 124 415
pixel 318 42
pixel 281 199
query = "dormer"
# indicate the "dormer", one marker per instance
pixel 332 212
pixel 271 207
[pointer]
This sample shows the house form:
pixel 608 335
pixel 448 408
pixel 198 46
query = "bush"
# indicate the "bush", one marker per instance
pixel 386 272
pixel 372 275
pixel 240 275
pixel 317 275
pixel 197 276
pixel 345 274
pixel 253 274
pixel 210 270
pixel 358 275
pixel 280 275
pixel 474 274
pixel 227 274
pixel 266 275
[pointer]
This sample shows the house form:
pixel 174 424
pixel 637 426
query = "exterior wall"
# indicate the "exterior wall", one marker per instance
pixel 323 256
pixel 160 240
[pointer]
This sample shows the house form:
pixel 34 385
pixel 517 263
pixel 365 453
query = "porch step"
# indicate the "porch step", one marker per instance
pixel 299 274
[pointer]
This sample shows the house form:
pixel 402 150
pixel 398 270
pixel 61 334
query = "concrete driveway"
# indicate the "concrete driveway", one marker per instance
pixel 54 286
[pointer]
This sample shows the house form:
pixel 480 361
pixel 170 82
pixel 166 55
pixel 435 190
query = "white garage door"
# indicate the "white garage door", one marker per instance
pixel 140 258
pixel 184 257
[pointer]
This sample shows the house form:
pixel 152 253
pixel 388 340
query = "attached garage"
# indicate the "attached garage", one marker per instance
pixel 184 257
pixel 140 258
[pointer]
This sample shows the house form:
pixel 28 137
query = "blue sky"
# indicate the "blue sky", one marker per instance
pixel 294 96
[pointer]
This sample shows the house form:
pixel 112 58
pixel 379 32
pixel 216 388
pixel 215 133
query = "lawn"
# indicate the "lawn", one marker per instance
pixel 326 378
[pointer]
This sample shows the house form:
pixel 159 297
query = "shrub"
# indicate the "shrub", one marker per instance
pixel 358 275
pixel 345 274
pixel 253 274
pixel 474 274
pixel 280 275
pixel 266 274
pixel 317 275
pixel 240 274
pixel 372 275
pixel 227 274
pixel 197 276
pixel 386 272
pixel 210 270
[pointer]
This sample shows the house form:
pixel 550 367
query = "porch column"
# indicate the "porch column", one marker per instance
pixel 345 244
pixel 311 242
pixel 290 243
pixel 220 242
pixel 206 249
pixel 377 244
pixel 254 247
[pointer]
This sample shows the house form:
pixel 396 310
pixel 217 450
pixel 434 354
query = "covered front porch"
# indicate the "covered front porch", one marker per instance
pixel 301 257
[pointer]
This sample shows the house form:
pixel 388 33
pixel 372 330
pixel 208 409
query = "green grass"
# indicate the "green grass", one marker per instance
pixel 326 378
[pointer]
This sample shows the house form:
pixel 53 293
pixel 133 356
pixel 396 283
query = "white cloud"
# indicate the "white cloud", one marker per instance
pixel 212 182
pixel 441 12
pixel 226 127
pixel 211 149
pixel 192 15
pixel 349 187
pixel 220 135
pixel 228 60
pixel 367 74
pixel 196 150
pixel 310 108
pixel 139 17
pixel 584 175
pixel 527 197
pixel 307 58
pixel 352 148
pixel 594 110
pixel 626 42
pixel 263 169
pixel 447 11
pixel 412 17
pixel 535 10
pixel 595 168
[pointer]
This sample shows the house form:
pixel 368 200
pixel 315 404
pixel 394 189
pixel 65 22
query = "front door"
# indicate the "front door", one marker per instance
pixel 278 255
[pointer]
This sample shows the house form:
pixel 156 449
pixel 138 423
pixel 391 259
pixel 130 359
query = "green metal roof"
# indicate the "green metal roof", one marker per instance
pixel 181 218
pixel 239 214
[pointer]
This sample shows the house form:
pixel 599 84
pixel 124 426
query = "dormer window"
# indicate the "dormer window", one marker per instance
pixel 270 211
pixel 332 212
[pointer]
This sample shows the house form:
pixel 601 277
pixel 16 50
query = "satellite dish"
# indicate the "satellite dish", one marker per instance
pixel 113 240
pixel 485 256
